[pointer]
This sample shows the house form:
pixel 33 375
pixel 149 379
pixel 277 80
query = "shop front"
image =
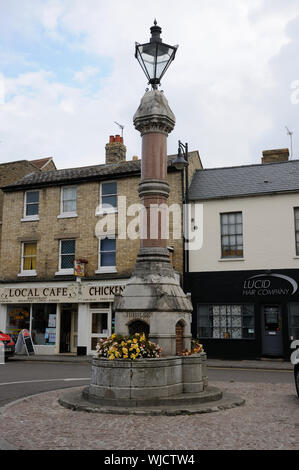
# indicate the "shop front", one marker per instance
pixel 62 318
pixel 246 314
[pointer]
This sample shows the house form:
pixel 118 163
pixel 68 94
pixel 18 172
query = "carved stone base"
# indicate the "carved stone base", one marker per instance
pixel 153 295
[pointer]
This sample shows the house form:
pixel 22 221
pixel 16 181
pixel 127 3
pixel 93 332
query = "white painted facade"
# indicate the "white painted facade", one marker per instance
pixel 268 234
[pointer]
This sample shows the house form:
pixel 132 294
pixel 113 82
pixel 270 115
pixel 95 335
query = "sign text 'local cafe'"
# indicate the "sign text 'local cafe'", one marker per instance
pixel 54 294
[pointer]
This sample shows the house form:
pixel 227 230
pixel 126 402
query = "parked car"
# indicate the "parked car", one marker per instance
pixel 296 373
pixel 295 362
pixel 9 345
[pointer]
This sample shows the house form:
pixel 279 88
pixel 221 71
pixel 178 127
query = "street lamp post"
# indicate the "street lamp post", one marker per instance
pixel 182 163
pixel 153 294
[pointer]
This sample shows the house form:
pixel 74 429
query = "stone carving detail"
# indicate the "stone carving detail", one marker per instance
pixel 154 114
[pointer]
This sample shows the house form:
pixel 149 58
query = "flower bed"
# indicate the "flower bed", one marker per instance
pixel 196 348
pixel 127 347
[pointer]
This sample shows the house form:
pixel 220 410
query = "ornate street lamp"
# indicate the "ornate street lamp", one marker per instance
pixel 155 56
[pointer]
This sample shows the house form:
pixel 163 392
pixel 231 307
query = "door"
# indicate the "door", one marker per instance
pixel 65 330
pixel 272 343
pixel 100 327
pixel 68 328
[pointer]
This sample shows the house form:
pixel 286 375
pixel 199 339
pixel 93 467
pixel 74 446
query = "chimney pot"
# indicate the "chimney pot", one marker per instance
pixel 115 150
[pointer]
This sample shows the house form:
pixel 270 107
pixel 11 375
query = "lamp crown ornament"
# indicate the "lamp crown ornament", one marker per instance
pixel 155 56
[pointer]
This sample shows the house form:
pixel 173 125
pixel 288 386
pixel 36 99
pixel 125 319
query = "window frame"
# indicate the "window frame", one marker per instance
pixel 69 214
pixel 33 217
pixel 107 210
pixel 296 231
pixel 61 270
pixel 220 327
pixel 106 269
pixel 235 256
pixel 27 272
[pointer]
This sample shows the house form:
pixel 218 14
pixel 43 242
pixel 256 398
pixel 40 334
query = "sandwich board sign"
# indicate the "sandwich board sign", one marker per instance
pixel 28 342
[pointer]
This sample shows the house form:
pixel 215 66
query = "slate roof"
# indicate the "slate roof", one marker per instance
pixel 58 177
pixel 81 174
pixel 248 180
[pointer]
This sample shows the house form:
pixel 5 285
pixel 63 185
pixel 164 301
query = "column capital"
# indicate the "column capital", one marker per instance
pixel 154 114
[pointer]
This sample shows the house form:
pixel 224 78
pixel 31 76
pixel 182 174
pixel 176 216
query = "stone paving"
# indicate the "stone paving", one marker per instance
pixel 269 420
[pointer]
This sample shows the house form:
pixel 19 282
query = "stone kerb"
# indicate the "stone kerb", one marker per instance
pixel 122 382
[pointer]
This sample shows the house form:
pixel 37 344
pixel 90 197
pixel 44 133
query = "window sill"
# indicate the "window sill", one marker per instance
pixel 28 273
pixel 65 272
pixel 108 269
pixel 33 218
pixel 67 215
pixel 230 259
pixel 104 211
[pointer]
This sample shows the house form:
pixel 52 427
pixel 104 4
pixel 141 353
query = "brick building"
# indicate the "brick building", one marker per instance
pixel 13 171
pixel 51 218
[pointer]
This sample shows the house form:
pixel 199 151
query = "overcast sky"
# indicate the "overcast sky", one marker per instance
pixel 68 72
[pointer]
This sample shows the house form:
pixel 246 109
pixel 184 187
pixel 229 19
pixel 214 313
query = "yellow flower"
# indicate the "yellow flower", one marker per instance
pixel 135 340
pixel 113 336
pixel 125 351
pixel 137 350
pixel 133 356
pixel 125 357
pixel 111 357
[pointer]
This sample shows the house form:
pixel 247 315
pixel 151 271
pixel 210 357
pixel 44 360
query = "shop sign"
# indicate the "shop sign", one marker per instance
pixel 101 293
pixel 72 293
pixel 269 285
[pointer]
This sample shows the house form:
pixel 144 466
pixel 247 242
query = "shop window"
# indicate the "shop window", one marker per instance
pixel 231 235
pixel 31 204
pixel 293 320
pixel 29 258
pixel 68 201
pixel 18 318
pixel 67 255
pixel 226 321
pixel 43 329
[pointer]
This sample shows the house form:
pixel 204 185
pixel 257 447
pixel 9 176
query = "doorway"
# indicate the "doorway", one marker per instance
pixel 272 340
pixel 68 328
pixel 179 333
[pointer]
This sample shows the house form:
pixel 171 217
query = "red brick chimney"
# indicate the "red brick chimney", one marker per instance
pixel 115 150
pixel 273 156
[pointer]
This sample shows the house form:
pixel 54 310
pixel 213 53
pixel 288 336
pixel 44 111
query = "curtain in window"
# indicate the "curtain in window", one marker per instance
pixel 29 261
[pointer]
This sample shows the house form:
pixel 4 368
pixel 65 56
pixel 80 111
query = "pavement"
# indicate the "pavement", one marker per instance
pixel 268 420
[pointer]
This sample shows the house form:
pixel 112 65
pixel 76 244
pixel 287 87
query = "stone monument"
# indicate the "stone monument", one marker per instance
pixel 153 301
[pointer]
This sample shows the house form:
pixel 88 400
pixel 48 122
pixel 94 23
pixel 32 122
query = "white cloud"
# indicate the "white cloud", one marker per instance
pixel 85 73
pixel 220 85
